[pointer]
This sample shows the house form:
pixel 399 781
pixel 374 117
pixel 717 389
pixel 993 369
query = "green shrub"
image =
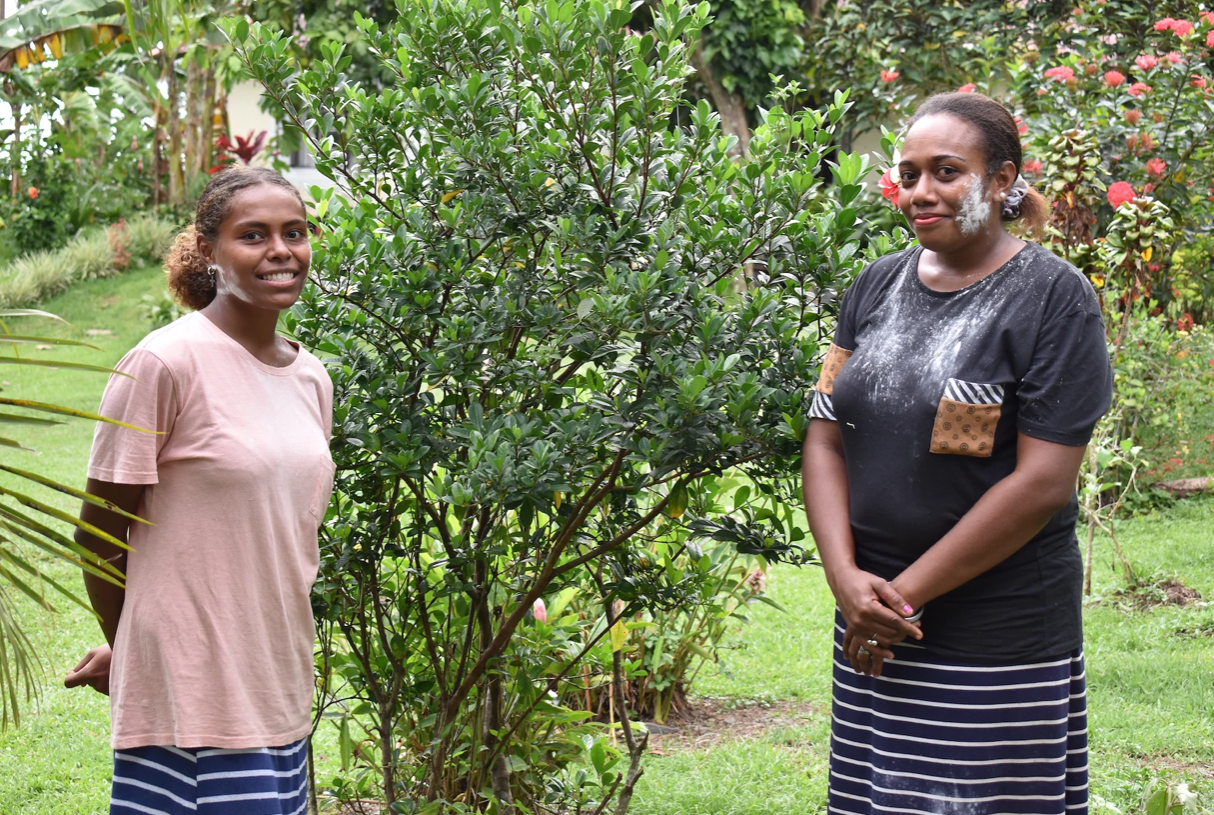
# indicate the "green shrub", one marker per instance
pixel 149 237
pixel 554 309
pixel 89 255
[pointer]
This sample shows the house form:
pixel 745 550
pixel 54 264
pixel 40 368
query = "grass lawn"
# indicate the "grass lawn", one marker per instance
pixel 1150 673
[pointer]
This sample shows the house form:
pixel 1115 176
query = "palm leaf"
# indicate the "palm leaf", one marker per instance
pixel 66 411
pixel 26 566
pixel 13 418
pixel 78 556
pixel 66 517
pixel 75 493
pixel 51 363
pixel 46 340
pixel 14 444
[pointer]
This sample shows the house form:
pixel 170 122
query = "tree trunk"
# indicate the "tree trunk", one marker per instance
pixel 176 180
pixel 16 157
pixel 194 90
pixel 207 137
pixel 729 105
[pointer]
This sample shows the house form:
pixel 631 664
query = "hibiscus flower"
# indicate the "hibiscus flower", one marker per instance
pixel 1119 193
pixel 889 186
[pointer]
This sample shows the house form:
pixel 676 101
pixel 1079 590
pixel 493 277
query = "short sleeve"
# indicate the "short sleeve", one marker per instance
pixel 1069 382
pixel 146 398
pixel 837 355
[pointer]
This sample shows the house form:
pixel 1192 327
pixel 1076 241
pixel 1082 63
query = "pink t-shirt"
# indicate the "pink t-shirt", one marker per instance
pixel 214 647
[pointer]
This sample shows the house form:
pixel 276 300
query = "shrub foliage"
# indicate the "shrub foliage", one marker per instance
pixel 556 313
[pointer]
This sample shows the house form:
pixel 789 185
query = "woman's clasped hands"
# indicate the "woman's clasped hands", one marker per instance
pixel 876 619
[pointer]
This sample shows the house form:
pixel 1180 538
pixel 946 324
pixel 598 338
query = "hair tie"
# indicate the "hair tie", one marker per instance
pixel 1015 196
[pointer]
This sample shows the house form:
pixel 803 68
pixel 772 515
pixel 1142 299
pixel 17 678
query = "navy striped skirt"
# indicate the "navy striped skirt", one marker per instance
pixel 935 736
pixel 173 781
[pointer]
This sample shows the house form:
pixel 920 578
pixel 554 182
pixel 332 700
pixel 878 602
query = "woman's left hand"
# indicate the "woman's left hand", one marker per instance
pixel 870 661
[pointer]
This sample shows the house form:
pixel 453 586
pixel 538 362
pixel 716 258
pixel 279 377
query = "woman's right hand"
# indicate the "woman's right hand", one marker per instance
pixel 93 670
pixel 873 609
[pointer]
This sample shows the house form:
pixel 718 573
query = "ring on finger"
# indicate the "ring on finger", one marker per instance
pixel 865 651
pixel 871 642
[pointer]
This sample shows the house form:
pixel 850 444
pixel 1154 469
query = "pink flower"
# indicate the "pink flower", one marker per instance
pixel 1210 38
pixel 1138 89
pixel 1061 73
pixel 1156 167
pixel 1146 62
pixel 889 76
pixel 1148 188
pixel 1114 79
pixel 1198 81
pixel 1132 116
pixel 1165 24
pixel 968 87
pixel 1207 16
pixel 1174 57
pixel 539 610
pixel 1182 28
pixel 1031 166
pixel 1119 193
pixel 889 186
pixel 1021 127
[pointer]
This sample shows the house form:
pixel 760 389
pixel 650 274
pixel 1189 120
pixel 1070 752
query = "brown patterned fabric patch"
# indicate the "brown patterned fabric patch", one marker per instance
pixel 964 429
pixel 832 366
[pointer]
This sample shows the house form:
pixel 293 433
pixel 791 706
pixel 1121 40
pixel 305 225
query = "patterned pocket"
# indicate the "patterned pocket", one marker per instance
pixel 966 419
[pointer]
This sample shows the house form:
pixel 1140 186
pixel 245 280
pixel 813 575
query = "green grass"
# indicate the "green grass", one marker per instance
pixel 1151 687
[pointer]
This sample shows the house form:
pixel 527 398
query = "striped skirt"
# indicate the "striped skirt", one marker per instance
pixel 936 736
pixel 173 781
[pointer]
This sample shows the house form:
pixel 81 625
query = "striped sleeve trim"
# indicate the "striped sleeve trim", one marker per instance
pixel 823 407
pixel 973 393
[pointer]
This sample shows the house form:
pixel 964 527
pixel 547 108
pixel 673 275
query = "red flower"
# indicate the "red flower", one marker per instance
pixel 1182 28
pixel 889 76
pixel 1208 16
pixel 1119 193
pixel 1114 79
pixel 1132 116
pixel 1174 57
pixel 1021 127
pixel 1138 89
pixel 1031 166
pixel 1165 24
pixel 1156 167
pixel 889 186
pixel 968 87
pixel 1198 81
pixel 1146 62
pixel 1185 323
pixel 1210 38
pixel 1061 73
pixel 33 193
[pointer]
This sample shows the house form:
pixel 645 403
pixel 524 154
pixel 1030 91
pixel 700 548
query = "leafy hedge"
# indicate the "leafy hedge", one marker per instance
pixel 101 253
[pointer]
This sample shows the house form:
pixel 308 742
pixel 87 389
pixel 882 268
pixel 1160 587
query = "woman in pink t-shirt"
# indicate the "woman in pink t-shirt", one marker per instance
pixel 210 673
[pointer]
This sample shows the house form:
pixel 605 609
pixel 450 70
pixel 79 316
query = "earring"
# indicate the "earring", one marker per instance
pixel 1003 195
pixel 211 272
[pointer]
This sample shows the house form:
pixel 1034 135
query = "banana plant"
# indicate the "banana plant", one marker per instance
pixel 32 526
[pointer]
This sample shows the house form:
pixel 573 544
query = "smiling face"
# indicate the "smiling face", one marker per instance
pixel 945 193
pixel 261 248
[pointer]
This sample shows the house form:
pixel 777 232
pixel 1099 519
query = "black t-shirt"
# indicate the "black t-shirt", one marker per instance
pixel 929 389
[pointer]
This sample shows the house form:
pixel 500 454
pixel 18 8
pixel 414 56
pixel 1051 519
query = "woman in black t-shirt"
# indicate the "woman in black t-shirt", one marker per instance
pixel 952 414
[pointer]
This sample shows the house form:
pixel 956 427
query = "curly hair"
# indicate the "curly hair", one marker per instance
pixel 1000 141
pixel 187 271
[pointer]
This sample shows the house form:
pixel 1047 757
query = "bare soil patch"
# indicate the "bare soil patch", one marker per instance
pixel 708 722
pixel 1166 592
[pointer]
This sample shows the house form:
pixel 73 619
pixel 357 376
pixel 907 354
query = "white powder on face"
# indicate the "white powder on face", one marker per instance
pixel 975 209
pixel 229 283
